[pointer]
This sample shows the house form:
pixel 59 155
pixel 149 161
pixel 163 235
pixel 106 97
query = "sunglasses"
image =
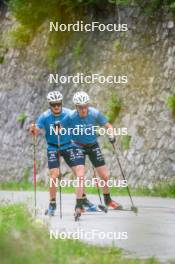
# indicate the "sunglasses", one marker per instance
pixel 55 104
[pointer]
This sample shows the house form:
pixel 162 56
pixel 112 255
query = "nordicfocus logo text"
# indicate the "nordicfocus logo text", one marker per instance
pixel 81 182
pixel 87 27
pixel 80 78
pixel 88 235
pixel 88 131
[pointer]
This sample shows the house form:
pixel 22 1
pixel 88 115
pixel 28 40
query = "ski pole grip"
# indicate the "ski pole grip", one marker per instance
pixel 33 130
pixel 57 126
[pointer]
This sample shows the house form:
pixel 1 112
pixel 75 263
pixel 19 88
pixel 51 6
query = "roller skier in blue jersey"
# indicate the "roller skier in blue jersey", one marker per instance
pixel 57 117
pixel 86 118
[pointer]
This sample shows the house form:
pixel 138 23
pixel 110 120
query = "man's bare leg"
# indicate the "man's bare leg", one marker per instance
pixel 79 172
pixel 103 174
pixel 54 174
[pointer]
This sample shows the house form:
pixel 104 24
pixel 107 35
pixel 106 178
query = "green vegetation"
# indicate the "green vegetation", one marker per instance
pixel 114 107
pixel 1 59
pixel 51 56
pixel 21 118
pixel 78 49
pixel 164 188
pixel 26 175
pixel 22 185
pixel 117 46
pixel 121 2
pixel 3 51
pixel 56 41
pixel 24 240
pixel 31 15
pixel 171 103
pixel 19 37
pixel 107 145
pixel 151 7
pixel 125 142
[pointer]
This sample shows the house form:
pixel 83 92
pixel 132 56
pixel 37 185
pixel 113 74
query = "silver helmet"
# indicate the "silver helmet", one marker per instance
pixel 81 98
pixel 54 97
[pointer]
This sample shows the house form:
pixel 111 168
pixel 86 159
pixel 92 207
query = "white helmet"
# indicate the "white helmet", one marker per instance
pixel 81 98
pixel 54 97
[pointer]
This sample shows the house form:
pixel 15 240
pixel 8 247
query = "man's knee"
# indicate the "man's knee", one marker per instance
pixel 54 173
pixel 79 174
pixel 103 172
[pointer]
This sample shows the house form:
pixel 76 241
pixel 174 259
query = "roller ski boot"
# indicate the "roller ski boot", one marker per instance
pixel 111 204
pixel 52 208
pixel 90 207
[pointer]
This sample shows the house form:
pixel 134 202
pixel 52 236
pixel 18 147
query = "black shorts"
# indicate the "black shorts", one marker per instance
pixel 76 156
pixel 95 155
pixel 72 156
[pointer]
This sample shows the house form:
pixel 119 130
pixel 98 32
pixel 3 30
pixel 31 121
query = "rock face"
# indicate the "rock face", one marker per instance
pixel 145 53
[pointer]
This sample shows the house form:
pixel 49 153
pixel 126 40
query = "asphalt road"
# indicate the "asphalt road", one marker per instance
pixel 149 233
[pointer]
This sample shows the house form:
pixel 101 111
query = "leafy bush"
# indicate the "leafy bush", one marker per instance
pixel 151 7
pixel 20 36
pixel 117 46
pixel 1 59
pixel 33 13
pixel 171 103
pixel 114 107
pixel 125 142
pixel 3 51
pixel 171 7
pixel 51 56
pixel 78 48
pixel 121 2
pixel 165 188
pixel 21 118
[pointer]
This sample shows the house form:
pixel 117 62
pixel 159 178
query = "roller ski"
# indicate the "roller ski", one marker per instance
pixel 112 205
pixel 52 208
pixel 129 209
pixel 90 207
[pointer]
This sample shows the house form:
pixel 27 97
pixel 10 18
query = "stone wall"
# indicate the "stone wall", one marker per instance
pixel 145 53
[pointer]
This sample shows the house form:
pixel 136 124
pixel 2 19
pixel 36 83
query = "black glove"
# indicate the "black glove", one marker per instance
pixel 112 140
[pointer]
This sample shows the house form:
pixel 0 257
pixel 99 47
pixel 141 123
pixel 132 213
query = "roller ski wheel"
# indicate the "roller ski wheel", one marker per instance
pixel 134 209
pixel 50 212
pixel 88 206
pixel 103 208
pixel 77 214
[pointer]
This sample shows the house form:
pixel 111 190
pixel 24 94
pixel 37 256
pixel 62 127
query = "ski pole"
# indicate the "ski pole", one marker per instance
pixel 101 206
pixel 98 189
pixel 60 196
pixel 34 170
pixel 133 207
